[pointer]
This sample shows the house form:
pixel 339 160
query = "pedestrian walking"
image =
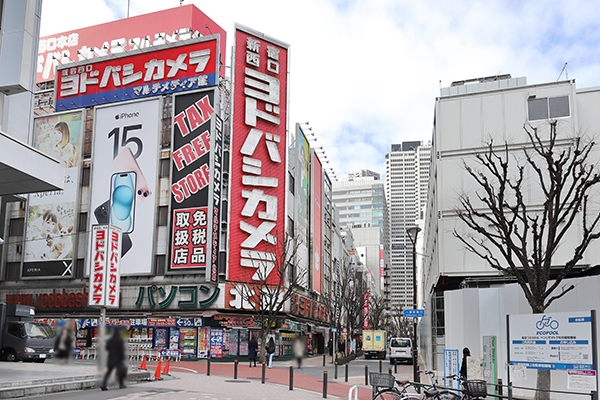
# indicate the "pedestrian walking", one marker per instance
pixel 116 359
pixel 271 351
pixel 463 365
pixel 330 347
pixel 252 350
pixel 299 351
pixel 63 345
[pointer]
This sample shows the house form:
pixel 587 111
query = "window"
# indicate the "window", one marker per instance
pixel 85 176
pixel 544 108
pixel 292 183
pixel 83 221
pixel 165 168
pixel 163 215
pixel 161 262
pixel 290 227
pixel 16 227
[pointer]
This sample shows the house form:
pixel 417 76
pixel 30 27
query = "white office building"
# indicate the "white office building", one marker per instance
pixel 407 175
pixel 465 300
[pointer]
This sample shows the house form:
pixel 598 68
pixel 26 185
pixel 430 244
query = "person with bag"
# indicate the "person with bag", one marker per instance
pixel 116 359
pixel 271 351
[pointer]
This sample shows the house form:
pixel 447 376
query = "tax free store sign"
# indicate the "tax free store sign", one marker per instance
pixel 552 341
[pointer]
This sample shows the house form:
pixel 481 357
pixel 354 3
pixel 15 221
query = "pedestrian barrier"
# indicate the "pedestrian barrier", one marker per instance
pixel 291 378
pixel 235 369
pixel 353 390
pixel 366 375
pixel 346 374
pixel 157 373
pixel 143 366
pixel 324 384
pixel 263 373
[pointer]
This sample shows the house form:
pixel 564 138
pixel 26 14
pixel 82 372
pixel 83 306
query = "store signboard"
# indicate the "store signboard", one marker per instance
pixel 171 68
pixel 366 310
pixel 258 156
pixel 317 218
pixel 123 36
pixel 450 367
pixel 302 205
pixel 124 178
pixel 216 342
pixel 551 341
pixel 105 257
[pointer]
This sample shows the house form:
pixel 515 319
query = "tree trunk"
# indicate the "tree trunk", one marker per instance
pixel 543 375
pixel 263 344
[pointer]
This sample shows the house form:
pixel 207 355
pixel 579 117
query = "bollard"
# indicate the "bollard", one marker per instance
pixel 335 371
pixel 235 366
pixel 380 366
pixel 323 359
pixel 263 373
pixel 324 384
pixel 208 366
pixel 291 378
pixel 390 371
pixel 500 387
pixel 366 375
pixel 395 368
pixel 346 375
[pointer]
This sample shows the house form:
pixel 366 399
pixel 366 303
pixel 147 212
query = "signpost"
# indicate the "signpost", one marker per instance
pixel 414 313
pixel 450 366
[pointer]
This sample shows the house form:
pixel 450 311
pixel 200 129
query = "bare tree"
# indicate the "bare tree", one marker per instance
pixel 353 300
pixel 401 326
pixel 522 239
pixel 272 281
pixel 376 311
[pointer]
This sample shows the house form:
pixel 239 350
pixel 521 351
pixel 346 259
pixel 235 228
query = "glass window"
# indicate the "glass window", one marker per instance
pixel 163 215
pixel 559 106
pixel 400 343
pixel 165 167
pixel 16 227
pixel 538 109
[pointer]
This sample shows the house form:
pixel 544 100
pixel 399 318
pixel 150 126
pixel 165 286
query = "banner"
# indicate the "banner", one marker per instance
pixel 52 216
pixel 124 178
pixel 317 222
pixel 303 205
pixel 366 310
pixel 258 153
pixel 124 35
pixel 196 183
pixel 165 69
pixel 105 277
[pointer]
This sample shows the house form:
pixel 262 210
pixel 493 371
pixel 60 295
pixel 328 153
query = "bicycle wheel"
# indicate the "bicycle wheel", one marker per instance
pixel 447 395
pixel 388 394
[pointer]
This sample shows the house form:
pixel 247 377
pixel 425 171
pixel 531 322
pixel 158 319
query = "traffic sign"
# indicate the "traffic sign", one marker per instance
pixel 414 313
pixel 333 329
pixel 345 330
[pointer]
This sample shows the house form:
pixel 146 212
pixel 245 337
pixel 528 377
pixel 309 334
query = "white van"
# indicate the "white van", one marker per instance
pixel 401 350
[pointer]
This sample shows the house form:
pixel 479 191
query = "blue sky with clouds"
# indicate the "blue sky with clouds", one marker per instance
pixel 366 73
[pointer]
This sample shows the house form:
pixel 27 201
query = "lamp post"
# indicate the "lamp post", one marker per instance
pixel 412 235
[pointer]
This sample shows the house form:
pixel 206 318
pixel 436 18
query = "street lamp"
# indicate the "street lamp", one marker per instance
pixel 412 235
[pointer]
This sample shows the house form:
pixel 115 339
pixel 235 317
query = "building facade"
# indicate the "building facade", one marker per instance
pixel 407 177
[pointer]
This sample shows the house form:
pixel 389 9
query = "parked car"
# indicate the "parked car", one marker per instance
pixel 400 349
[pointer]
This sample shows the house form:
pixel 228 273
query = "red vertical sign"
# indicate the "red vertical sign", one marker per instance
pixel 317 222
pixel 366 310
pixel 259 148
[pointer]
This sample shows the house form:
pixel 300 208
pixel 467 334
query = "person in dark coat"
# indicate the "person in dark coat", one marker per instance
pixel 463 365
pixel 330 347
pixel 63 345
pixel 252 350
pixel 116 359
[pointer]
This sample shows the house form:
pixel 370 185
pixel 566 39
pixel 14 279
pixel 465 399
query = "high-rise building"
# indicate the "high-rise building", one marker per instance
pixel 407 175
pixel 360 199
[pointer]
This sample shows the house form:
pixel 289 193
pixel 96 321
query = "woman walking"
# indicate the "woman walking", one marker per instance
pixel 252 350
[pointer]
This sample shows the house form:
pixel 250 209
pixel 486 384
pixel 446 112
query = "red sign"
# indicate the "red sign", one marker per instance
pixel 190 234
pixel 161 322
pixel 317 179
pixel 259 148
pixel 140 32
pixel 308 308
pixel 113 277
pixel 366 310
pixel 106 261
pixel 166 69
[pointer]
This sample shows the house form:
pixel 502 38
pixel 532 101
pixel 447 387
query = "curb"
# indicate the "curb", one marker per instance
pixel 11 390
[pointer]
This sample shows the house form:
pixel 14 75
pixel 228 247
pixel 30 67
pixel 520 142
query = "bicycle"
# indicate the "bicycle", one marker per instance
pixel 390 392
pixel 473 389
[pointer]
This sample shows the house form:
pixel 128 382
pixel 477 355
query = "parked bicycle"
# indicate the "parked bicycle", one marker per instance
pixel 472 389
pixel 385 389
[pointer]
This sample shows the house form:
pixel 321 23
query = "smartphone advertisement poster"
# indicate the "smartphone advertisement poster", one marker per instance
pixel 52 216
pixel 124 178
pixel 195 182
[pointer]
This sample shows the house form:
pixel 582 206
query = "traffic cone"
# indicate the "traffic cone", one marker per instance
pixel 157 373
pixel 143 366
pixel 166 370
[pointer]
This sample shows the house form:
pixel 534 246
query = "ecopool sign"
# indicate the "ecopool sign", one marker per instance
pixel 552 341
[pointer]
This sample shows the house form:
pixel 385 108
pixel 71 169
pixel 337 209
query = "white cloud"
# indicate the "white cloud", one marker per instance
pixel 366 73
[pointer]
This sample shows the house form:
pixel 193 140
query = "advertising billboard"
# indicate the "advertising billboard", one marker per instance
pixel 317 222
pixel 138 74
pixel 258 153
pixel 196 182
pixel 125 35
pixel 52 216
pixel 124 177
pixel 302 204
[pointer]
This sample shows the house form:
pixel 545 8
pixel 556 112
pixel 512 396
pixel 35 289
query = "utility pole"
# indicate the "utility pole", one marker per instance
pixel 412 235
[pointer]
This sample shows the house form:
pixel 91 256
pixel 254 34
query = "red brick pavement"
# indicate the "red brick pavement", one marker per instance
pixel 274 375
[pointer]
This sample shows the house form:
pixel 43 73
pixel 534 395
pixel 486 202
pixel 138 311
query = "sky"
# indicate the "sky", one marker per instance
pixel 365 74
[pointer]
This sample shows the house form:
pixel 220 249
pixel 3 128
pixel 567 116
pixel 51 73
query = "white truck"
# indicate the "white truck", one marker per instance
pixel 374 343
